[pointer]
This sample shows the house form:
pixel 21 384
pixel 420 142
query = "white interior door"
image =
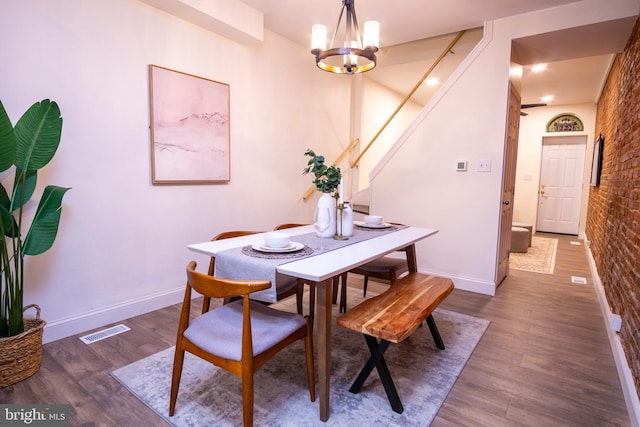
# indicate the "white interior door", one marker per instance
pixel 561 179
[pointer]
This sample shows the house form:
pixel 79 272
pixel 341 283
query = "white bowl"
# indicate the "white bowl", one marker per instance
pixel 373 219
pixel 277 239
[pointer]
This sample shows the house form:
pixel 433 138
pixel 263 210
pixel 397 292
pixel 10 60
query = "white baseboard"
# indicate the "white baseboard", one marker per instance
pixel 466 284
pixel 624 373
pixel 67 327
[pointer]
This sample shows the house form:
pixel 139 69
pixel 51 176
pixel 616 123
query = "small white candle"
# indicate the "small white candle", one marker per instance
pixel 341 194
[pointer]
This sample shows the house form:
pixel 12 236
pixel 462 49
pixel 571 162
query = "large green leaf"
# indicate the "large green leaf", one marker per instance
pixel 7 221
pixel 4 197
pixel 9 225
pixel 23 187
pixel 38 135
pixel 44 227
pixel 7 141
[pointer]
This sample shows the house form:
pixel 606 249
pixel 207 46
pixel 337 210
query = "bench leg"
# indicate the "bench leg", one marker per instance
pixel 434 332
pixel 376 360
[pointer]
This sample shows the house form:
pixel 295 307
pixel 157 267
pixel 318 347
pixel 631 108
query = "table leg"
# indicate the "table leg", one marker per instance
pixel 412 263
pixel 323 338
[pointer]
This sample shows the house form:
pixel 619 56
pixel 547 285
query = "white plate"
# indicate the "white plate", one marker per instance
pixel 365 225
pixel 291 247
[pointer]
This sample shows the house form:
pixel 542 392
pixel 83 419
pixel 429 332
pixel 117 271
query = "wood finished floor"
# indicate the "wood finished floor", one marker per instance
pixel 544 360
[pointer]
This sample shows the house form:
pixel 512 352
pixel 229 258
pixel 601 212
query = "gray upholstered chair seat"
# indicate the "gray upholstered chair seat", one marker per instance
pixel 268 327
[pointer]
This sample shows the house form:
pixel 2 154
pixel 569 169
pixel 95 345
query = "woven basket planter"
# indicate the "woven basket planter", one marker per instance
pixel 21 355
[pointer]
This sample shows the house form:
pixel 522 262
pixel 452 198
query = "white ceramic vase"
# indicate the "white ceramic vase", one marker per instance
pixel 347 220
pixel 327 201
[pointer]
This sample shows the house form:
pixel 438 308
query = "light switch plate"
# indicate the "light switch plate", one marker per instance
pixel 484 166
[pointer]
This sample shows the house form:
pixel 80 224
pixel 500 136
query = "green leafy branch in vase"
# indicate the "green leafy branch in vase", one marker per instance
pixel 327 178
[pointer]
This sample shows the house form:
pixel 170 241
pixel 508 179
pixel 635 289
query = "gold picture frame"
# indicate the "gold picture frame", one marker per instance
pixel 190 128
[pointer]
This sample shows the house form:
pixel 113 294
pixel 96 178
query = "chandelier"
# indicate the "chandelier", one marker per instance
pixel 357 55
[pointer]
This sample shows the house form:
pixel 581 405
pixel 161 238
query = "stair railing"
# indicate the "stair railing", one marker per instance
pixel 351 146
pixel 406 98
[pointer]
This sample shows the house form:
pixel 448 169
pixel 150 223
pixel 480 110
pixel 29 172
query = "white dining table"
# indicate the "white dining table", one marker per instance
pixel 321 269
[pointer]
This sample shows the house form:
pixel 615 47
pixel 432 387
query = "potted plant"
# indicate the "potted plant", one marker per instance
pixel 27 147
pixel 326 179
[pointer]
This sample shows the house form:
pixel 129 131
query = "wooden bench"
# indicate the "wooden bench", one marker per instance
pixel 391 317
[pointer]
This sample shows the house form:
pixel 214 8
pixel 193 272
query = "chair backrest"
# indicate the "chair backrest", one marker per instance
pixel 288 225
pixel 215 287
pixel 234 233
pixel 227 235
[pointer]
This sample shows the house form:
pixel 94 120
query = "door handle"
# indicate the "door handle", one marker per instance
pixel 506 203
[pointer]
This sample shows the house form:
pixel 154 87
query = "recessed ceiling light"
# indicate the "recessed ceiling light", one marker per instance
pixel 546 98
pixel 539 67
pixel 432 81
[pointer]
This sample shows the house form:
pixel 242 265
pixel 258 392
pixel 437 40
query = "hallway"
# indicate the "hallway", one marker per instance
pixel 545 359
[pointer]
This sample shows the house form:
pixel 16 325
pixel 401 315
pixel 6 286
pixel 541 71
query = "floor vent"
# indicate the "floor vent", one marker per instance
pixel 574 243
pixel 105 333
pixel 579 280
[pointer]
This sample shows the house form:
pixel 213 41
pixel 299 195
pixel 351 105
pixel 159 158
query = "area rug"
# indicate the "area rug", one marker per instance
pixel 210 396
pixel 540 257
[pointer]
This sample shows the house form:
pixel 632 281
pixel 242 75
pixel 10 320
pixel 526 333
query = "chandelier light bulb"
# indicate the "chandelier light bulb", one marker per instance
pixel 351 61
pixel 318 37
pixel 371 34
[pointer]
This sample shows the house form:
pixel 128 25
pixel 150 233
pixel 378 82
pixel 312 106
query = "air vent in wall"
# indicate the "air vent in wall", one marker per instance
pixel 105 333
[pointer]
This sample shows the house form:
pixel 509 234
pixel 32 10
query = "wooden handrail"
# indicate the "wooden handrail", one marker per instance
pixel 341 157
pixel 406 98
pixel 444 53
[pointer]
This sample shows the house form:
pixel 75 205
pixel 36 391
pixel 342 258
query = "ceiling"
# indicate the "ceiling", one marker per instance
pixel 578 59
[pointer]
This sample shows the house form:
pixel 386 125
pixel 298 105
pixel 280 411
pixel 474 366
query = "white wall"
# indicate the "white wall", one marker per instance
pixel 532 132
pixel 378 104
pixel 121 247
pixel 468 122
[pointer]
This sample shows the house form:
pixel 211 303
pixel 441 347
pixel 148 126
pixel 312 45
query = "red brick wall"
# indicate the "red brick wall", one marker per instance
pixel 613 218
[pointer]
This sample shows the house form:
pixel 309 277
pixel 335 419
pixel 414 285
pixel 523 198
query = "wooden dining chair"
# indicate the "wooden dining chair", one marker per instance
pixel 385 268
pixel 239 337
pixel 288 288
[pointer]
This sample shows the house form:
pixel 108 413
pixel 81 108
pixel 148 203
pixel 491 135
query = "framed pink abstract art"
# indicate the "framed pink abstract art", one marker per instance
pixel 190 132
